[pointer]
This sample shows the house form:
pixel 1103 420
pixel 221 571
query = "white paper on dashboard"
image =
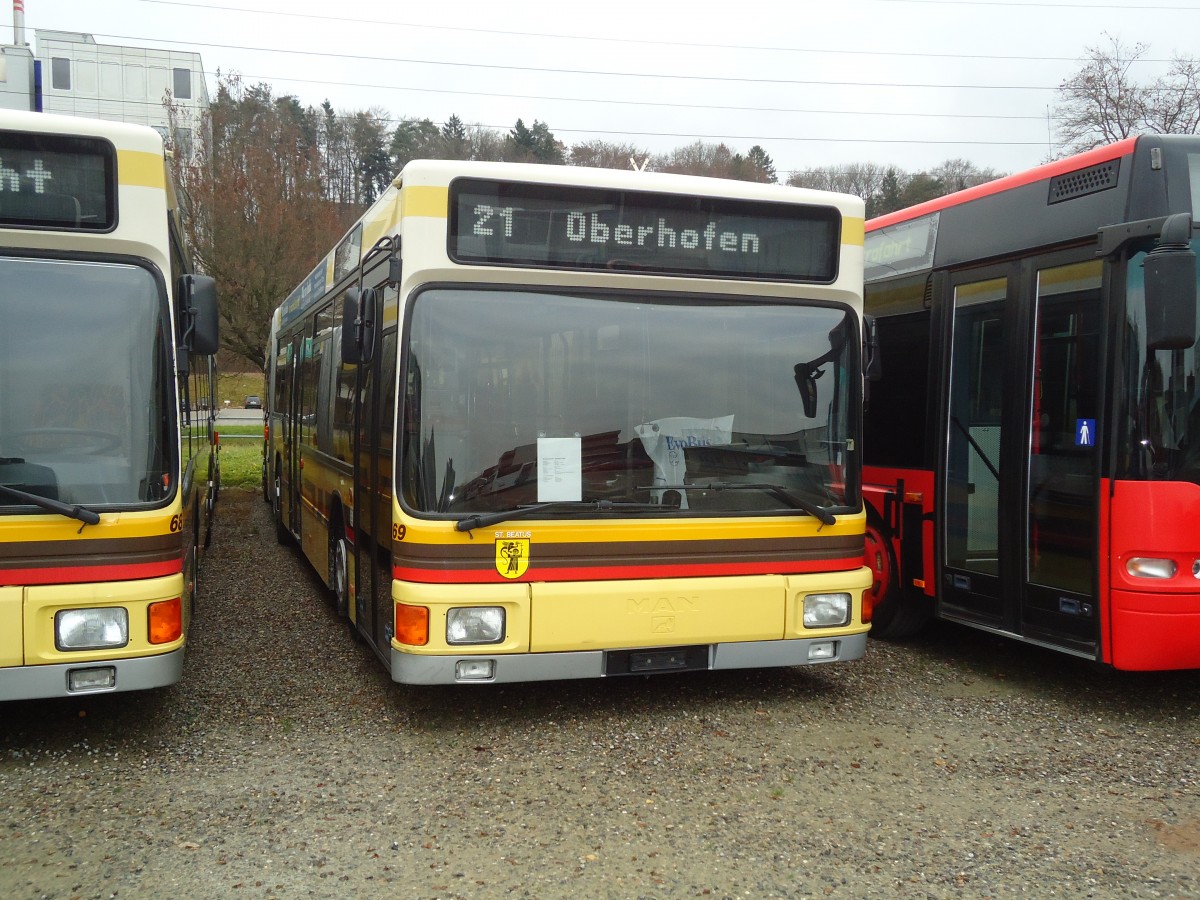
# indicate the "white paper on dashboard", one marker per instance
pixel 560 469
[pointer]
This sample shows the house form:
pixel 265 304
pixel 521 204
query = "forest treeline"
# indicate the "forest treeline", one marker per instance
pixel 271 184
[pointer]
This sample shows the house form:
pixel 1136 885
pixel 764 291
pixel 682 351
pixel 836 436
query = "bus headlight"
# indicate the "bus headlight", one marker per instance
pixel 475 625
pixel 826 610
pixel 1148 567
pixel 91 629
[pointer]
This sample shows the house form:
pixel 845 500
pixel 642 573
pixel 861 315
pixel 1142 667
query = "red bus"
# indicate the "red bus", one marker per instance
pixel 1032 450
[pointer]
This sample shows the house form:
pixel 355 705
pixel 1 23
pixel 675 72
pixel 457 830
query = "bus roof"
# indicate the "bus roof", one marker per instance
pixel 423 183
pixel 1007 183
pixel 123 134
pixel 85 184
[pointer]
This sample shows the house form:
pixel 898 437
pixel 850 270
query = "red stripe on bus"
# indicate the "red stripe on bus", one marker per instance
pixel 622 573
pixel 81 574
pixel 1000 185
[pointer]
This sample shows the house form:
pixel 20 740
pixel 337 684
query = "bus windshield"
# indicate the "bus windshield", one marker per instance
pixel 1164 418
pixel 712 406
pixel 83 418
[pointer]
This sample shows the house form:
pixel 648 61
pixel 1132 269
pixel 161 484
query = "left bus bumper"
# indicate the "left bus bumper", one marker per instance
pixel 140 673
pixel 409 668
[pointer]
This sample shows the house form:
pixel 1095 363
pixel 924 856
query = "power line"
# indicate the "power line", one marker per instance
pixel 1082 7
pixel 809 139
pixel 672 105
pixel 393 119
pixel 358 57
pixel 558 36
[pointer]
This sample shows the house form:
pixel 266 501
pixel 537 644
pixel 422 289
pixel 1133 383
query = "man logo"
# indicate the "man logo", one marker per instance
pixel 512 557
pixel 662 624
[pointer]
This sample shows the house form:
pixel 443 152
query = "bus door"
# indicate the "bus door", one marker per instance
pixel 1061 539
pixel 290 501
pixel 972 574
pixel 372 479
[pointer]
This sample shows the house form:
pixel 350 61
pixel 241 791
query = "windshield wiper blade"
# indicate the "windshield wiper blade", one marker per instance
pixel 484 520
pixel 819 512
pixel 79 513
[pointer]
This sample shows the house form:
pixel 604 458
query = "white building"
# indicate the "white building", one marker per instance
pixel 16 78
pixel 127 84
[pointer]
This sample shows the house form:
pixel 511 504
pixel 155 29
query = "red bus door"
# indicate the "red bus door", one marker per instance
pixel 1061 499
pixel 1019 490
pixel 972 574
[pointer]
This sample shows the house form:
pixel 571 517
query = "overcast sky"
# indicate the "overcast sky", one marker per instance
pixel 896 82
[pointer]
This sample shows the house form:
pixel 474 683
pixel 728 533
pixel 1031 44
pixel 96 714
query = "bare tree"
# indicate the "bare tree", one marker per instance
pixel 1173 101
pixel 861 179
pixel 717 161
pixel 1102 102
pixel 487 144
pixel 258 218
pixel 606 155
pixel 960 174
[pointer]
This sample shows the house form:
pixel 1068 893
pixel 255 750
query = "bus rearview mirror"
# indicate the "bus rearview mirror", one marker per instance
pixel 1170 271
pixel 358 326
pixel 201 325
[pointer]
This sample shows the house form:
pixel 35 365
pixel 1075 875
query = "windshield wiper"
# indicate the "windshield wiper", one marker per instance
pixel 820 512
pixel 484 520
pixel 86 516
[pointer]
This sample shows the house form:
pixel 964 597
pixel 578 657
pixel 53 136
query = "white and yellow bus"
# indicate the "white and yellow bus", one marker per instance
pixel 108 471
pixel 549 422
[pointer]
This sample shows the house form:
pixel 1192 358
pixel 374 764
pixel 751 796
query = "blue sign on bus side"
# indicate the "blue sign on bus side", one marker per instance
pixel 1085 432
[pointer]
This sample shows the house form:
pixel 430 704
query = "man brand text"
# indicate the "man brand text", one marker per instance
pixel 657 605
pixel 581 230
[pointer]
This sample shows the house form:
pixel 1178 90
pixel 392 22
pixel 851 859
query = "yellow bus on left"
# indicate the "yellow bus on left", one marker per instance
pixel 109 470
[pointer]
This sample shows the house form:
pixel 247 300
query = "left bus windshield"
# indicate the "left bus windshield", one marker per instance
pixel 519 397
pixel 83 416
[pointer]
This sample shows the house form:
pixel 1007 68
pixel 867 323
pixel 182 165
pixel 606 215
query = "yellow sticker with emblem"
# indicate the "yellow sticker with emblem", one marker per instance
pixel 512 557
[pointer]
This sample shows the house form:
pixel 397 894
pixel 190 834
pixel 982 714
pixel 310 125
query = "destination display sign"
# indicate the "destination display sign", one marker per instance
pixel 56 181
pixel 900 249
pixel 559 226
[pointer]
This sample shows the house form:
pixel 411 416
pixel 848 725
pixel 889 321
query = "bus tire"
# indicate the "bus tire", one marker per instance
pixel 897 613
pixel 339 566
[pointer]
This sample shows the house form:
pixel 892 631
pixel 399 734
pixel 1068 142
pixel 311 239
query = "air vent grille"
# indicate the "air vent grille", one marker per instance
pixel 1080 183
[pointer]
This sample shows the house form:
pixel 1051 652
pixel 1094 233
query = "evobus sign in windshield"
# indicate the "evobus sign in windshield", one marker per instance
pixel 501 223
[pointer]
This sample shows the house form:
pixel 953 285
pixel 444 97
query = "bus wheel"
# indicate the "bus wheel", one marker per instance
pixel 896 614
pixel 339 568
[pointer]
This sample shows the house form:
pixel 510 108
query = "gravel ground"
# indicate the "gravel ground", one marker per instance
pixel 286 764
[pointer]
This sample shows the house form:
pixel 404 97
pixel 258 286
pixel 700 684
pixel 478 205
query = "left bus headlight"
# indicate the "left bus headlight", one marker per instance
pixel 91 629
pixel 827 610
pixel 475 625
